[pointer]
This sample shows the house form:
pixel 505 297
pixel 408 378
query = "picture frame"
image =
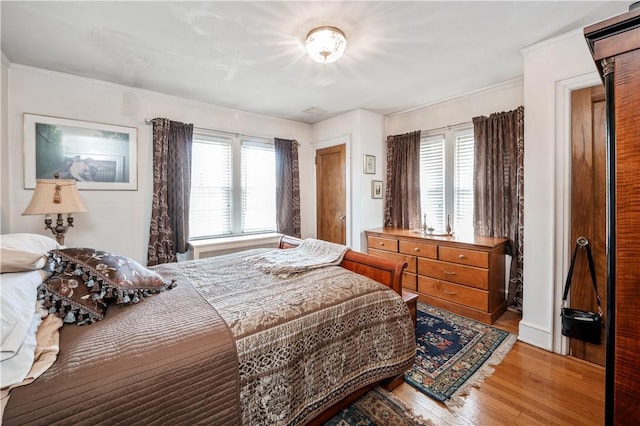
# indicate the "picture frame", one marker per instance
pixel 376 189
pixel 369 164
pixel 98 156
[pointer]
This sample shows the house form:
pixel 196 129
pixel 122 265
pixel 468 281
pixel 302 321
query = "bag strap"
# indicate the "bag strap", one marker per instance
pixel 582 242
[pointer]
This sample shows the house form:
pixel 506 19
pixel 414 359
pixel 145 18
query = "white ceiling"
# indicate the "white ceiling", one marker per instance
pixel 250 54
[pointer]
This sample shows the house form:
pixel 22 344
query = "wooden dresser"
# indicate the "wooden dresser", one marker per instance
pixel 615 45
pixel 461 275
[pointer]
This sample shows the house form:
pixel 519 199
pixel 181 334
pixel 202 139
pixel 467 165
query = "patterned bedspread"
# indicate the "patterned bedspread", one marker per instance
pixel 305 341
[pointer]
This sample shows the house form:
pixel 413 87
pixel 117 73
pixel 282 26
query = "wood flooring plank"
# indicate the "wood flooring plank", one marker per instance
pixel 530 387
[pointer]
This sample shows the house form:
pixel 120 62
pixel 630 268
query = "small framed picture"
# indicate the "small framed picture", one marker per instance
pixel 376 189
pixel 369 164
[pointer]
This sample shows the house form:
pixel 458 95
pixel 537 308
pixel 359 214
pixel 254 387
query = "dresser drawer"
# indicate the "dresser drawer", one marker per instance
pixel 418 249
pixel 411 260
pixel 464 256
pixel 467 296
pixel 467 275
pixel 382 244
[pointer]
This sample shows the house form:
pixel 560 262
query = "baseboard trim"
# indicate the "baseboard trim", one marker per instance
pixel 535 335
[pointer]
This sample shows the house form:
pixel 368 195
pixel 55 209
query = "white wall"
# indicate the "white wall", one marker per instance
pixel 4 144
pixel 372 142
pixel 117 221
pixel 461 109
pixel 363 133
pixel 551 70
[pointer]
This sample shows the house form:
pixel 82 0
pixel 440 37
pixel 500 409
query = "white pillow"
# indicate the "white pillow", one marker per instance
pixel 24 252
pixel 16 368
pixel 18 297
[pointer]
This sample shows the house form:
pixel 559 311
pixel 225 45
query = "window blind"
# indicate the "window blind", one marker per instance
pixel 463 181
pixel 211 186
pixel 258 186
pixel 432 180
pixel 446 178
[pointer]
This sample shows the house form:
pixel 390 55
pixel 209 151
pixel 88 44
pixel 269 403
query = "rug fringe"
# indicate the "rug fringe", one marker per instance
pixel 415 416
pixel 457 399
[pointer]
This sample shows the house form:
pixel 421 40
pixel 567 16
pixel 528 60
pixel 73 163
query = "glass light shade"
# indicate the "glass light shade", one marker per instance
pixel 53 196
pixel 326 44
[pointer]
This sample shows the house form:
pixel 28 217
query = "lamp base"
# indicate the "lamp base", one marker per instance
pixel 60 229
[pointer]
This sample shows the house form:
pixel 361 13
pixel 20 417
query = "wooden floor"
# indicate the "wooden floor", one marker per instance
pixel 530 387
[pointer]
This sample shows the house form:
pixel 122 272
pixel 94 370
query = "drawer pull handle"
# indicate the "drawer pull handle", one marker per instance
pixel 448 272
pixel 382 244
pixel 416 249
pixel 449 292
pixel 461 256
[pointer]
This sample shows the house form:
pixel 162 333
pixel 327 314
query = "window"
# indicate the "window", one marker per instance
pixel 446 179
pixel 432 180
pixel 233 185
pixel 258 186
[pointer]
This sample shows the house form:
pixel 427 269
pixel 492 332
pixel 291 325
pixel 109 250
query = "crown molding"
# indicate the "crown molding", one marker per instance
pixel 488 89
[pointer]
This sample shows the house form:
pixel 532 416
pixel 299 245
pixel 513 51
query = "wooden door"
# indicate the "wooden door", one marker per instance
pixel 331 197
pixel 588 207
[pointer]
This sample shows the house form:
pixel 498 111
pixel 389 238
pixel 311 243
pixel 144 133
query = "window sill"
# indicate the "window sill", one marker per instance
pixel 198 247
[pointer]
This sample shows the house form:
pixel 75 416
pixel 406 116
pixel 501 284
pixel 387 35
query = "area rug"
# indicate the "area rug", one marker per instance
pixel 377 408
pixel 454 353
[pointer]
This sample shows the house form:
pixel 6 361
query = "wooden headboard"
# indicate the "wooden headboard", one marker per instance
pixel 382 270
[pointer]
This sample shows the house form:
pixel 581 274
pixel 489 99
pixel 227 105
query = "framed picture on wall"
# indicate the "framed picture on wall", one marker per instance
pixel 369 164
pixel 376 189
pixel 98 156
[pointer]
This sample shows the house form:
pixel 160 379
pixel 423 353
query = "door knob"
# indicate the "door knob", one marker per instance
pixel 342 217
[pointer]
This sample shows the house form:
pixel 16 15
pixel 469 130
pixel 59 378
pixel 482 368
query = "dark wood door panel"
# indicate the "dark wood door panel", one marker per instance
pixel 331 194
pixel 588 206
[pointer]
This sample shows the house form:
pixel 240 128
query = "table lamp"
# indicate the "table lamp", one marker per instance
pixel 56 196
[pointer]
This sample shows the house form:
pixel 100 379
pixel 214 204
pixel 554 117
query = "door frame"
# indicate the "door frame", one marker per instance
pixel 562 213
pixel 327 143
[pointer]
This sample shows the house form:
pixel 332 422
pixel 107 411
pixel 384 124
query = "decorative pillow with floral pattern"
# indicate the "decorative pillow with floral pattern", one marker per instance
pixel 73 298
pixel 106 277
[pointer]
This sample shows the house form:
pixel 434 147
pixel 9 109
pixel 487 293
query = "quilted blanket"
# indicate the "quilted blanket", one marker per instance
pixel 307 340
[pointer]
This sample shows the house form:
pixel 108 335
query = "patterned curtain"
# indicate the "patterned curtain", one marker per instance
pixel 499 187
pixel 287 187
pixel 402 196
pixel 169 233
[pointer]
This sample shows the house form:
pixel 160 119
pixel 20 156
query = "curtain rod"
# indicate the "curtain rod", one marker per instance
pixel 449 127
pixel 149 121
pixel 236 134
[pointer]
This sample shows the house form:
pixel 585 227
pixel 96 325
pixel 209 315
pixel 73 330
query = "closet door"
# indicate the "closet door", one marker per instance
pixel 588 207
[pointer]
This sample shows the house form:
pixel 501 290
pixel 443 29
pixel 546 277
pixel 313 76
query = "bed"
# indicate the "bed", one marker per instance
pixel 228 343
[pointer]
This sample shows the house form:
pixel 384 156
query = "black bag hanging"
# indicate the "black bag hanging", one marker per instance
pixel 577 324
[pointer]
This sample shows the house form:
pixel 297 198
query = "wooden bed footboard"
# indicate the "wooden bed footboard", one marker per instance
pixel 382 270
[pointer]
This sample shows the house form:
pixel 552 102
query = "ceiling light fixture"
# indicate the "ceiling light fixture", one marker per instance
pixel 326 44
